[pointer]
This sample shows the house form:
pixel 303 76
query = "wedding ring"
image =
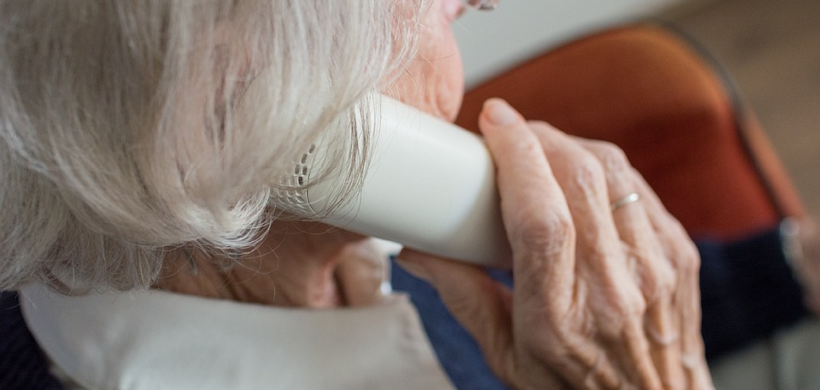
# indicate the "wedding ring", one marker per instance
pixel 630 198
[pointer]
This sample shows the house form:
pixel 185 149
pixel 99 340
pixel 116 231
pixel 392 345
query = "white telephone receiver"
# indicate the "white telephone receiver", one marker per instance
pixel 430 186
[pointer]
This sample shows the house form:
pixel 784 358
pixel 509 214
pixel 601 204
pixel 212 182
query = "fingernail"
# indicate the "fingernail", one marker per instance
pixel 413 267
pixel 499 113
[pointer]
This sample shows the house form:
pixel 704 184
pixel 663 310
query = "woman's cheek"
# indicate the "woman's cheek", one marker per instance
pixel 434 80
pixel 450 88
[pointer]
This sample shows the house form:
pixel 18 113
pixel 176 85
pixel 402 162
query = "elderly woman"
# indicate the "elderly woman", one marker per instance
pixel 142 141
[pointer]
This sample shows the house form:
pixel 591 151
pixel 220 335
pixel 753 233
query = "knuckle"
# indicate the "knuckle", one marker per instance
pixel 588 174
pixel 636 306
pixel 620 307
pixel 686 257
pixel 661 279
pixel 665 281
pixel 542 229
pixel 629 304
pixel 689 259
pixel 612 157
pixel 679 248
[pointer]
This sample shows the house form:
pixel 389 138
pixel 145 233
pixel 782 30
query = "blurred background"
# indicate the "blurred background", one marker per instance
pixel 772 48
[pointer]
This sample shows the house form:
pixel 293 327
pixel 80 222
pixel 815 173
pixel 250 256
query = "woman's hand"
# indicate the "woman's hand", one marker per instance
pixel 603 298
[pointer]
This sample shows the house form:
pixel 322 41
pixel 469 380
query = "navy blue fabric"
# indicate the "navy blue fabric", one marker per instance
pixel 747 292
pixel 22 364
pixel 457 351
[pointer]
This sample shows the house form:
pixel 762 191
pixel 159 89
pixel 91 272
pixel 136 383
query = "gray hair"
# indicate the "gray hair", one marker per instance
pixel 132 127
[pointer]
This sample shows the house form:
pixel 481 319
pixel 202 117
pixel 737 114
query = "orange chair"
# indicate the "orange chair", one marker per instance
pixel 647 90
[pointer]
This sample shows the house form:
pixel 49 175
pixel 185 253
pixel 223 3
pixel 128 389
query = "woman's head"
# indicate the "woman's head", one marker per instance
pixel 132 127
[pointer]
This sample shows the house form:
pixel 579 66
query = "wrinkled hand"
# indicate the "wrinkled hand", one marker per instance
pixel 603 298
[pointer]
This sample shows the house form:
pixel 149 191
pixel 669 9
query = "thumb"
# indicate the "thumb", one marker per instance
pixel 479 303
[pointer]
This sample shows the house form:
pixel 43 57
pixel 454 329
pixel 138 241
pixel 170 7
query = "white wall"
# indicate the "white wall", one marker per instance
pixel 518 29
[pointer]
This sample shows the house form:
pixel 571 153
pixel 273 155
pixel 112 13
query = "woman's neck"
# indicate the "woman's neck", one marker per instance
pixel 298 264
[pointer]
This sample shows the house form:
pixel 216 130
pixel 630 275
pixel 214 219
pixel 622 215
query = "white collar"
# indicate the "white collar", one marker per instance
pixel 157 340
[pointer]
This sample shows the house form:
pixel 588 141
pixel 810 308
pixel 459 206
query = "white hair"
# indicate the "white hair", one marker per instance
pixel 132 127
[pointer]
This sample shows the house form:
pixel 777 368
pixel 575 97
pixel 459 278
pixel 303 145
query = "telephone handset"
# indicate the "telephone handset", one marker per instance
pixel 430 186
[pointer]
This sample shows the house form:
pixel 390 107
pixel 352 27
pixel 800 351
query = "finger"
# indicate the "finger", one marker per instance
pixel 583 180
pixel 483 307
pixel 656 276
pixel 534 209
pixel 685 260
pixel 645 255
pixel 618 302
pixel 542 235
